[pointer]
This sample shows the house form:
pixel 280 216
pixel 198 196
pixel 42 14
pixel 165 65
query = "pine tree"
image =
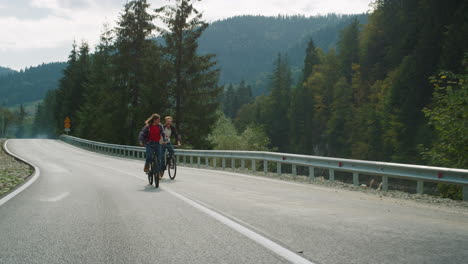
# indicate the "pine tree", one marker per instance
pixel 64 105
pixel 97 111
pixel 277 117
pixel 194 80
pixel 134 27
pixel 310 61
pixel 348 48
pixel 338 133
pixel 301 109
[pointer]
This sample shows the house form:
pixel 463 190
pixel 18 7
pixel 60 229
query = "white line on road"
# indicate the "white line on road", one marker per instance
pixel 267 243
pixel 276 248
pixel 55 198
pixel 32 179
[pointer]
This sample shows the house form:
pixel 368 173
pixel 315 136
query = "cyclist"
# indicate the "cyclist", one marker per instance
pixel 150 137
pixel 169 131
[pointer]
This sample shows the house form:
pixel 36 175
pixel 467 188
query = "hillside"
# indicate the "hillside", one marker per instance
pixel 31 84
pixel 247 45
pixel 4 71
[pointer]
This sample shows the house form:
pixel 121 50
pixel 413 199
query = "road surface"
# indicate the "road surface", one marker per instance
pixel 91 208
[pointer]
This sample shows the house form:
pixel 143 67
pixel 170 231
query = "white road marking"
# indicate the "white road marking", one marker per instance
pixel 267 243
pixel 32 179
pixel 275 247
pixel 55 198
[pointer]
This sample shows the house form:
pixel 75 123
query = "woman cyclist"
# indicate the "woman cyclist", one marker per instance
pixel 150 137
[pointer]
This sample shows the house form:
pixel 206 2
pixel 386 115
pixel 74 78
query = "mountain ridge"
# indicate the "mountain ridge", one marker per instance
pixel 246 47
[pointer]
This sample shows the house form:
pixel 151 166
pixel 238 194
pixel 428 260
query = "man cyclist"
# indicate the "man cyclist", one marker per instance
pixel 151 136
pixel 169 131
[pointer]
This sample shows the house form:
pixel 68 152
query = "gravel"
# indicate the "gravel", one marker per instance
pixel 12 172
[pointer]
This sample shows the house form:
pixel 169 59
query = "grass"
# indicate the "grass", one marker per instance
pixel 12 172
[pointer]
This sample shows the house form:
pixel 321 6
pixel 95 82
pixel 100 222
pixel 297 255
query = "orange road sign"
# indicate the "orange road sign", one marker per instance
pixel 67 123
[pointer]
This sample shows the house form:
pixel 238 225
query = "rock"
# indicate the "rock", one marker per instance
pixel 371 183
pixel 380 187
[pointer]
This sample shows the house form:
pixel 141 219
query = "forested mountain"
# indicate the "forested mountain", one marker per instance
pixel 30 84
pixel 246 45
pixel 4 71
pixel 373 98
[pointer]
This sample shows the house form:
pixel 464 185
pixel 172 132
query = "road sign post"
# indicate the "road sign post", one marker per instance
pixel 67 125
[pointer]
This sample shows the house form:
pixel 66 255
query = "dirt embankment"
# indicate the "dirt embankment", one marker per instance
pixel 12 172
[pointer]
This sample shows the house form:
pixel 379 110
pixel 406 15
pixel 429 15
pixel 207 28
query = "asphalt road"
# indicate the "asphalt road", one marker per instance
pixel 90 208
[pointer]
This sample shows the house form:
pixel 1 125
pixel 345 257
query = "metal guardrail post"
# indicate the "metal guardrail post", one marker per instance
pixel 385 183
pixel 278 168
pixel 224 163
pixel 253 165
pixel 215 160
pixel 355 178
pixel 265 166
pixel 331 174
pixel 198 161
pixel 207 162
pixel 233 163
pixel 243 164
pixel 311 172
pixel 294 170
pixel 465 192
pixel 191 160
pixel 420 187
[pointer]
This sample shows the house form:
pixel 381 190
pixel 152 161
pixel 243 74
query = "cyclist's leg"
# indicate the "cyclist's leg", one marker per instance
pixel 163 157
pixel 149 152
pixel 158 151
pixel 170 148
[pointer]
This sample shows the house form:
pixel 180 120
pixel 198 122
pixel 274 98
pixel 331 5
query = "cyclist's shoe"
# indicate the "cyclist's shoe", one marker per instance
pixel 146 169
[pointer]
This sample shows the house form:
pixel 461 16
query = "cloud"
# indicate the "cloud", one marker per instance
pixel 42 26
pixel 22 9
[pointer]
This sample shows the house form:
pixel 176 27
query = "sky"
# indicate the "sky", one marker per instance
pixel 37 31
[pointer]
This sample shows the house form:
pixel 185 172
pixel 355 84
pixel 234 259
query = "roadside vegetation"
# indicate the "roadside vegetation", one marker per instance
pixel 12 172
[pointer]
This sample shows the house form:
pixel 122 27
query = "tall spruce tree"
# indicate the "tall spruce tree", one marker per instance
pixel 301 110
pixel 134 29
pixel 70 94
pixel 194 83
pixel 97 111
pixel 278 120
pixel 348 48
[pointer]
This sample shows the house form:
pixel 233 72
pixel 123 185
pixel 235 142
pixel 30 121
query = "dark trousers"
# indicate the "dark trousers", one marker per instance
pixel 153 147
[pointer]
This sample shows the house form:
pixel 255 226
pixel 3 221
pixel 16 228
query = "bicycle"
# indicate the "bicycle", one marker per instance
pixel 154 171
pixel 171 164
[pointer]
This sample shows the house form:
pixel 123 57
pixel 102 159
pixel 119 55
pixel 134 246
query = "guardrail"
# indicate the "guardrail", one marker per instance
pixel 418 173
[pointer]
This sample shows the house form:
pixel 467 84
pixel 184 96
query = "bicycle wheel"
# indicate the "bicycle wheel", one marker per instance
pixel 171 167
pixel 155 172
pixel 150 177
